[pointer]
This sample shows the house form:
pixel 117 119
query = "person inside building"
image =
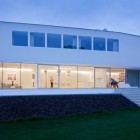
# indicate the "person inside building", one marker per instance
pixel 51 81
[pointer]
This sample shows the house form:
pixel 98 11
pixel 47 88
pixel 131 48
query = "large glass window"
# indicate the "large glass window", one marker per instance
pixel 102 77
pixel 28 75
pixel 19 38
pixel 37 39
pixel 99 44
pixel 113 45
pixel 68 76
pixel 48 76
pixel 53 40
pixel 118 75
pixel 70 41
pixel 11 75
pixel 85 77
pixel 0 75
pixel 85 43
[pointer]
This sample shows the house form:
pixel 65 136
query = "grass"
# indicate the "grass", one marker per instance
pixel 112 125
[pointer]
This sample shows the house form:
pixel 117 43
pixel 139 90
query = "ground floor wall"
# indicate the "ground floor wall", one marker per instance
pixel 21 107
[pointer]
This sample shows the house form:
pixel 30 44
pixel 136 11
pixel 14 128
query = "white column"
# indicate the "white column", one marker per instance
pixel 59 76
pixel 28 39
pixel 62 43
pixel 46 41
pixel 105 44
pixel 77 42
pixel 94 77
pixel 92 43
pixel 37 77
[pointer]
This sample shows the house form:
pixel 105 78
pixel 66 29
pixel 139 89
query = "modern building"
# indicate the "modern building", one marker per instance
pixel 43 58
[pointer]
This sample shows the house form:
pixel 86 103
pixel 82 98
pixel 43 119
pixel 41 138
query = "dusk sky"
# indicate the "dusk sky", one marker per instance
pixel 113 15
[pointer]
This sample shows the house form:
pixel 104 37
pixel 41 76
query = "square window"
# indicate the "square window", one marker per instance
pixel 70 42
pixel 113 45
pixel 37 39
pixel 53 40
pixel 85 43
pixel 99 44
pixel 19 38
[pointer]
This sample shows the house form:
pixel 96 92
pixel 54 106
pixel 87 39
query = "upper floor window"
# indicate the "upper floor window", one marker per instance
pixel 99 43
pixel 113 45
pixel 19 38
pixel 37 39
pixel 53 40
pixel 70 41
pixel 85 43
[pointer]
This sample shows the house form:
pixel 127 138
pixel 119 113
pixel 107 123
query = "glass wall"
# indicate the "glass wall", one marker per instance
pixel 19 38
pixel 113 45
pixel 70 41
pixel 11 75
pixel 85 77
pixel 99 44
pixel 85 43
pixel 23 75
pixel 68 77
pixel 53 40
pixel 118 75
pixel 37 39
pixel 0 75
pixel 48 76
pixel 28 75
pixel 102 77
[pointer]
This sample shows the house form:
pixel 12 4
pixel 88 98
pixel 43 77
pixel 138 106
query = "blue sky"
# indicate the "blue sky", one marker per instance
pixel 114 15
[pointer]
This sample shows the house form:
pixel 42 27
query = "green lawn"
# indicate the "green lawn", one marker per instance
pixel 113 125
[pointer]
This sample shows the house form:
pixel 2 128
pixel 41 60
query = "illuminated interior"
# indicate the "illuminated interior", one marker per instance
pixel 22 75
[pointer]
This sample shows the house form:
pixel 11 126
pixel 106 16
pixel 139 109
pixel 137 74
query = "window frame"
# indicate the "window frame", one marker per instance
pixel 15 43
pixel 85 38
pixel 104 43
pixel 74 37
pixel 112 50
pixel 34 44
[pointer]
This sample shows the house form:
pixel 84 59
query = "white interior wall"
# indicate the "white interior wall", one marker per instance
pixel 100 78
pixel 86 80
pixel 27 80
pixel 68 80
pixel 7 73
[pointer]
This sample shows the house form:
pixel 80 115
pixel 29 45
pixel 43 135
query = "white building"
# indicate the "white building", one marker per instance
pixel 33 56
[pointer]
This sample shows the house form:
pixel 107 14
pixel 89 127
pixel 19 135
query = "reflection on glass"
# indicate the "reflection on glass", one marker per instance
pixel 113 45
pixel 102 77
pixel 48 76
pixel 70 42
pixel 85 43
pixel 28 75
pixel 85 77
pixel 99 44
pixel 118 75
pixel 0 75
pixel 19 38
pixel 54 40
pixel 68 76
pixel 11 75
pixel 37 39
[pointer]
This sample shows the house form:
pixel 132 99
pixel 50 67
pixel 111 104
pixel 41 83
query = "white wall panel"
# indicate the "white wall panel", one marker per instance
pixel 127 57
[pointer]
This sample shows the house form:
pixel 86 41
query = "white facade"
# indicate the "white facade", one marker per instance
pixel 126 58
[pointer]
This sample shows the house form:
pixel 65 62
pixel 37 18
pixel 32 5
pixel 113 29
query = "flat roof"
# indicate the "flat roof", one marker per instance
pixel 104 30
